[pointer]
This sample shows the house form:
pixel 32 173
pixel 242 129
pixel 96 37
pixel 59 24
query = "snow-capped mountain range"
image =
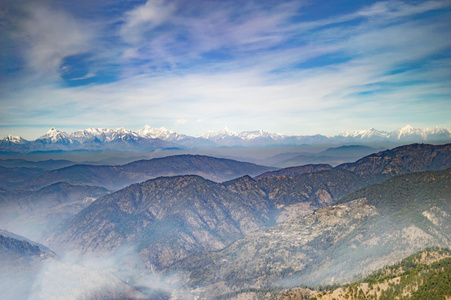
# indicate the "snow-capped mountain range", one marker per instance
pixel 150 138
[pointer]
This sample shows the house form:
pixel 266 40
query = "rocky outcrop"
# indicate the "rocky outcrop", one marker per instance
pixel 367 230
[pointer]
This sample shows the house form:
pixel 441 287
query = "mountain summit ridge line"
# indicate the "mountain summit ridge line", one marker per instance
pixel 161 138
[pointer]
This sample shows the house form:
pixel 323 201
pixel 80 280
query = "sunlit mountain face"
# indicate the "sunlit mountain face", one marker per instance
pixel 330 177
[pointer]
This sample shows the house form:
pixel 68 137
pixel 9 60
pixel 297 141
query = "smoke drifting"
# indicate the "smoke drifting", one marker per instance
pixel 117 276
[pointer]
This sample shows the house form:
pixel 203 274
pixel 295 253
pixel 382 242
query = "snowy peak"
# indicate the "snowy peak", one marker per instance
pixel 155 133
pixel 104 135
pixel 122 134
pixel 408 130
pixel 221 134
pixel 14 139
pixel 260 138
pixel 364 134
pixel 251 135
pixel 54 135
pixel 149 138
pixel 161 133
pixel 225 133
pixel 406 133
pixel 53 132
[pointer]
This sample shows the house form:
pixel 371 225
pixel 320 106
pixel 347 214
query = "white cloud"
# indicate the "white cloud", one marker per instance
pixel 50 35
pixel 396 9
pixel 187 37
pixel 145 18
pixel 268 81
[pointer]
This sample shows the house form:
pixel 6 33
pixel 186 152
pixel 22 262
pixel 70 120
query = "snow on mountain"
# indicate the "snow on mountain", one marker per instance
pixel 13 144
pixel 54 136
pixel 406 133
pixel 121 134
pixel 105 135
pixel 160 133
pixel 226 137
pixel 152 138
pixel 222 134
pixel 260 134
pixel 90 134
pixel 363 134
pixel 14 139
pixel 409 133
pixel 96 139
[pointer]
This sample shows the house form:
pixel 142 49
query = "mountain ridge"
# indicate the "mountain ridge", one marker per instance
pixel 116 177
pixel 253 232
pixel 161 138
pixel 280 198
pixel 337 243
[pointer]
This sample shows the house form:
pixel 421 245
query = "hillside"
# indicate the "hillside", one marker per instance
pixel 402 160
pixel 117 177
pixel 338 243
pixel 302 194
pixel 424 275
pixel 182 215
pixel 13 177
pixel 49 164
pixel 167 218
pixel 246 233
pixel 37 213
pixel 333 156
pixel 171 218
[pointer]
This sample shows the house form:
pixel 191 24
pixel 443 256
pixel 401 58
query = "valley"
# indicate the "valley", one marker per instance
pixel 200 227
pixel 225 150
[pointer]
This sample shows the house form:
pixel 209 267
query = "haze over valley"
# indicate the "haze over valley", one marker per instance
pixel 185 226
pixel 208 150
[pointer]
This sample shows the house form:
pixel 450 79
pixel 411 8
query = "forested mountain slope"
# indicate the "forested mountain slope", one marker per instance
pixel 370 228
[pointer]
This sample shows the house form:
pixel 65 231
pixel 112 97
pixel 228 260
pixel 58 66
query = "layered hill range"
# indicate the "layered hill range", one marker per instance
pixel 35 197
pixel 209 229
pixel 148 138
pixel 117 177
pixel 283 230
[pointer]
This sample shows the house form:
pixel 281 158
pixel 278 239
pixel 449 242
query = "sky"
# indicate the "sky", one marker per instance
pixel 289 67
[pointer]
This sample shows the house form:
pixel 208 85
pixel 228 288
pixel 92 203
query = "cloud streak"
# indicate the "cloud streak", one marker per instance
pixel 51 35
pixel 249 66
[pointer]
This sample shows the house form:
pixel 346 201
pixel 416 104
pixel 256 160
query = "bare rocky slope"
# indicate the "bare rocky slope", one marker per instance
pixel 170 218
pixel 220 234
pixel 368 229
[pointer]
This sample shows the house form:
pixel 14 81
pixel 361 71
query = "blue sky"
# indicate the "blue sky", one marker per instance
pixel 291 67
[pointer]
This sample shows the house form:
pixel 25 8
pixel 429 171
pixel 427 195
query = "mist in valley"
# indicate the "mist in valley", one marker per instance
pixel 183 237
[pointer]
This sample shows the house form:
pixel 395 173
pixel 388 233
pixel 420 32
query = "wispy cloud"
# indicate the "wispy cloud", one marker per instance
pixel 49 35
pixel 248 66
pixel 144 19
